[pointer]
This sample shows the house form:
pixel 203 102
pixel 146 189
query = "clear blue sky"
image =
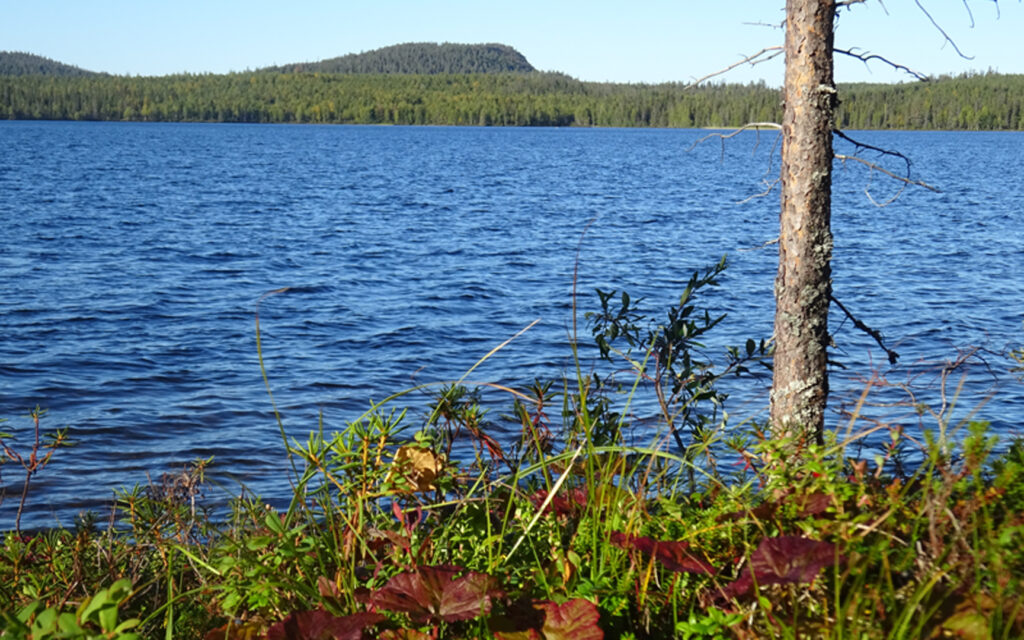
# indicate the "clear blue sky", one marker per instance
pixel 600 40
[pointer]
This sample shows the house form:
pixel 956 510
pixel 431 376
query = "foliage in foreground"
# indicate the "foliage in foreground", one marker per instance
pixel 403 528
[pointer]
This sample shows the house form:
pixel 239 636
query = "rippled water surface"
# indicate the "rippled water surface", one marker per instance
pixel 133 257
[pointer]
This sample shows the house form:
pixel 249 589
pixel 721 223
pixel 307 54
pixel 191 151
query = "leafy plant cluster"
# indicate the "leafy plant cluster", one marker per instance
pixel 710 530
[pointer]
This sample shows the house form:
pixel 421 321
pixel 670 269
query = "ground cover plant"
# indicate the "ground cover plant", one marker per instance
pixel 630 505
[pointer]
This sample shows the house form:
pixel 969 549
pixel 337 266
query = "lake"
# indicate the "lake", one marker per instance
pixel 134 256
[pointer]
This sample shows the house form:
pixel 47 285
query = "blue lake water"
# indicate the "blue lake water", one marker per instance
pixel 133 257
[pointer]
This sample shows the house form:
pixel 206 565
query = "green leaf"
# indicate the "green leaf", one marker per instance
pixel 258 542
pixel 273 522
pixel 91 605
pixel 120 590
pixel 108 617
pixel 68 625
pixel 45 622
pixel 26 613
pixel 969 624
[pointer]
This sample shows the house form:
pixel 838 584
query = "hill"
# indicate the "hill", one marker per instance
pixel 16 63
pixel 420 58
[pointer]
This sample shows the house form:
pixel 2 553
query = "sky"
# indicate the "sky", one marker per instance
pixel 597 40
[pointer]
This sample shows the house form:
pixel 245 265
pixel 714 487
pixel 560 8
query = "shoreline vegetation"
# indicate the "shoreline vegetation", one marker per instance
pixel 400 86
pixel 708 528
pixel 979 102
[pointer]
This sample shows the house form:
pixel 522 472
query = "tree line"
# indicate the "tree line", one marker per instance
pixel 973 102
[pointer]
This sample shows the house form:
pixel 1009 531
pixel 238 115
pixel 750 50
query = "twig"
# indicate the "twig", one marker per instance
pixel 766 244
pixel 751 59
pixel 970 14
pixel 893 356
pixel 780 26
pixel 870 147
pixel 943 32
pixel 757 126
pixel 875 167
pixel 867 56
pixel 906 180
pixel 769 187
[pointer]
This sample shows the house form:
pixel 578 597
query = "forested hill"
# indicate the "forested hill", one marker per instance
pixel 421 58
pixel 14 63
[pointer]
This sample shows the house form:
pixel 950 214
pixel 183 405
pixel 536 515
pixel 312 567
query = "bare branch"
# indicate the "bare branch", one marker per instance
pixel 874 167
pixel 943 32
pixel 769 243
pixel 780 26
pixel 864 145
pixel 970 14
pixel 874 333
pixel 763 55
pixel 905 179
pixel 757 126
pixel 768 188
pixel 867 56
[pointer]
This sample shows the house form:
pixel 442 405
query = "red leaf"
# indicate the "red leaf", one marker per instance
pixel 672 554
pixel 783 560
pixel 573 620
pixel 404 634
pixel 321 625
pixel 815 504
pixel 789 559
pixel 437 593
pixel 559 505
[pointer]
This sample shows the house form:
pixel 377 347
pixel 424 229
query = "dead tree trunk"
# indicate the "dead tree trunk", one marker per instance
pixel 804 281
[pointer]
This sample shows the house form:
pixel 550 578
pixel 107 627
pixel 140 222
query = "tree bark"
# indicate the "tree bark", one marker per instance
pixel 804 281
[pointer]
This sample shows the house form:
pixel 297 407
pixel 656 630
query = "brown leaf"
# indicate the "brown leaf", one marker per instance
pixel 521 620
pixel 420 467
pixel 970 620
pixel 232 631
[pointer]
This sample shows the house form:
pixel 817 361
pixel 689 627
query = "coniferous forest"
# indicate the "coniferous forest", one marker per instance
pixel 33 88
